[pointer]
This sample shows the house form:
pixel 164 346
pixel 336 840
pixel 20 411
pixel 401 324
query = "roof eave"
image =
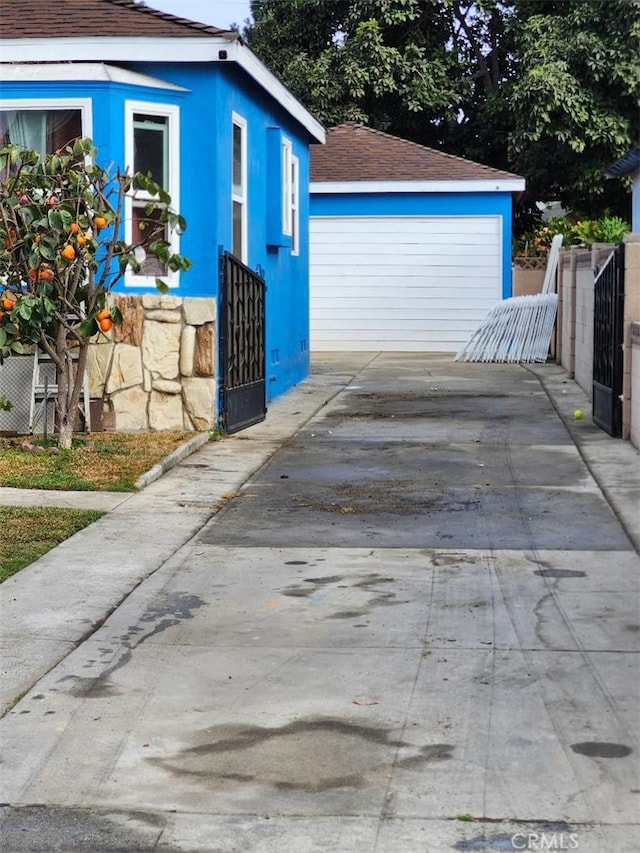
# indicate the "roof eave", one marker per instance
pixel 625 165
pixel 461 185
pixel 226 47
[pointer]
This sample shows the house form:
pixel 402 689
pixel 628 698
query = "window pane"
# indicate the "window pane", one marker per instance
pixel 237 230
pixel 295 225
pixel 63 126
pixel 149 147
pixel 44 130
pixel 147 228
pixel 237 160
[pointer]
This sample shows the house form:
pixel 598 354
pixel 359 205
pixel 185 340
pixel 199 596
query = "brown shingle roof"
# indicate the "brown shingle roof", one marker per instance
pixel 354 152
pixel 90 18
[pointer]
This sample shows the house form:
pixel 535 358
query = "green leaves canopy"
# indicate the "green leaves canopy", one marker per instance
pixel 544 88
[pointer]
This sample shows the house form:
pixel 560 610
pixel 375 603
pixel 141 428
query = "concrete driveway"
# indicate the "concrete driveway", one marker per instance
pixel 413 628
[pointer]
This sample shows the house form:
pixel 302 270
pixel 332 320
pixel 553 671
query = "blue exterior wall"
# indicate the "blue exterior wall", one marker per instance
pixel 213 94
pixel 425 204
pixel 206 146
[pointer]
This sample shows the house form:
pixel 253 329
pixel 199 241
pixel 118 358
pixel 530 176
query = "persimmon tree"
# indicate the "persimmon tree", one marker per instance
pixel 62 251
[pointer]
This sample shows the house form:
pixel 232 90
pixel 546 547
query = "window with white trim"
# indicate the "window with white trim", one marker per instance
pixel 152 140
pixel 44 130
pixel 45 124
pixel 287 224
pixel 239 188
pixel 295 206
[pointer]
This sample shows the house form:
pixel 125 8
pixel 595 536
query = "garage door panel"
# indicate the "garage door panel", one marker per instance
pixel 482 290
pixel 380 297
pixel 419 226
pixel 421 244
pixel 407 283
pixel 392 256
pixel 389 341
pixel 377 321
pixel 459 277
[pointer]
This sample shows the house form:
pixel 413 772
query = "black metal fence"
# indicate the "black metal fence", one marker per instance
pixel 242 345
pixel 608 331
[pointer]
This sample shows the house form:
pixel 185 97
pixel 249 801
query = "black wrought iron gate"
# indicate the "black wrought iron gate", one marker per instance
pixel 608 330
pixel 242 345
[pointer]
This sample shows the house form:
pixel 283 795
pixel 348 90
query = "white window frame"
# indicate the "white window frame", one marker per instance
pixel 295 205
pixel 172 113
pixel 85 105
pixel 242 197
pixel 287 222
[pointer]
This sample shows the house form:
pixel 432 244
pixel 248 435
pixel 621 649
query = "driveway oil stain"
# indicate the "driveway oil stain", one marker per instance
pixel 602 749
pixel 486 843
pixel 560 573
pixel 166 612
pixel 554 835
pixel 373 497
pixel 312 755
pixel 369 584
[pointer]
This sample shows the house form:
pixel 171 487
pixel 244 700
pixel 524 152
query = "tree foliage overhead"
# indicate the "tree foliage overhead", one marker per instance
pixel 380 62
pixel 545 88
pixel 573 102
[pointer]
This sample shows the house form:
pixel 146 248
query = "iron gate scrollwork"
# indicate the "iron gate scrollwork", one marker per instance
pixel 608 331
pixel 242 345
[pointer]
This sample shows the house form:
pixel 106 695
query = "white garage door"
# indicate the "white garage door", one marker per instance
pixel 413 284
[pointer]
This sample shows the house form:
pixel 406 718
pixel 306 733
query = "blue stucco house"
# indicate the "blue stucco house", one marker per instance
pixel 410 247
pixel 192 104
pixel 629 164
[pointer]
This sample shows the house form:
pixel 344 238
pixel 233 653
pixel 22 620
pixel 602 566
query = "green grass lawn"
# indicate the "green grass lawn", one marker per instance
pixel 100 462
pixel 29 532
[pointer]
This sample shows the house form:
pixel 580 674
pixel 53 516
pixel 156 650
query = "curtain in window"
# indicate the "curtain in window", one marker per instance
pixel 27 128
pixel 43 130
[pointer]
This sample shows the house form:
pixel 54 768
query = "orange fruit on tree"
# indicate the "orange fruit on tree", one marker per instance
pixel 68 252
pixel 103 315
pixel 74 228
pixel 33 274
pixel 9 299
pixel 100 222
pixel 106 324
pixel 82 239
pixel 46 274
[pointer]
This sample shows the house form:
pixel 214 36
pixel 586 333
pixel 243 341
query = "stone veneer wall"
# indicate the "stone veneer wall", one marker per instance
pixel 157 370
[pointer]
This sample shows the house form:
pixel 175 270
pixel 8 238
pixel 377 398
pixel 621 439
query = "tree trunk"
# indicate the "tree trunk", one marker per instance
pixel 70 384
pixel 65 435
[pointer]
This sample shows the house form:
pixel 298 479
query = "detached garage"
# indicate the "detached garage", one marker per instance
pixel 410 248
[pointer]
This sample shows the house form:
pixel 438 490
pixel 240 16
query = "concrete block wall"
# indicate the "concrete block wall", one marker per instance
pixel 566 285
pixel 631 358
pixel 634 386
pixel 574 332
pixel 583 328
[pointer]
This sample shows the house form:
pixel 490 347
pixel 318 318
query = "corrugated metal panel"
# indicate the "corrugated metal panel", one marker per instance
pixel 417 284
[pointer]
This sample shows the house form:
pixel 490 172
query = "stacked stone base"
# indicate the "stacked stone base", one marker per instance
pixel 157 370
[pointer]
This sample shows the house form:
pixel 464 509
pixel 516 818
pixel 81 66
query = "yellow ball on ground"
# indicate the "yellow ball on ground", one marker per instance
pixel 577 414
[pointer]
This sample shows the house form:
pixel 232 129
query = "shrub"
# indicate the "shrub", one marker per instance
pixel 583 232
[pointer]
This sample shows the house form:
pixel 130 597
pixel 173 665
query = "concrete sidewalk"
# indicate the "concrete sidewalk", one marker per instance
pixel 276 647
pixel 51 606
